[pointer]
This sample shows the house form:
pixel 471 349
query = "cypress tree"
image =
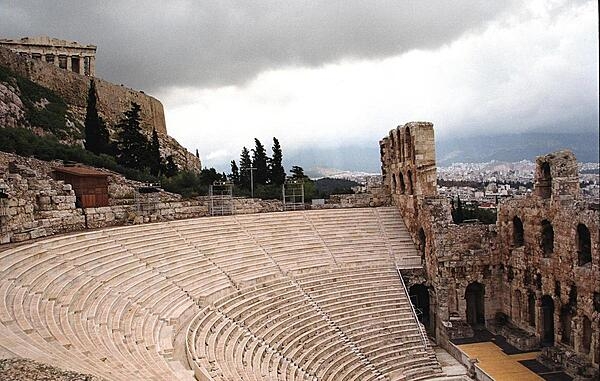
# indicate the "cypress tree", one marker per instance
pixel 245 164
pixel 155 161
pixel 276 171
pixel 132 144
pixel 96 133
pixel 234 177
pixel 259 161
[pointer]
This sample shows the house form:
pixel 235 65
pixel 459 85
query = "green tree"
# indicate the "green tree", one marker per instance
pixel 245 164
pixel 259 161
pixel 155 162
pixel 170 168
pixel 132 144
pixel 298 172
pixel 276 171
pixel 234 177
pixel 96 133
pixel 458 215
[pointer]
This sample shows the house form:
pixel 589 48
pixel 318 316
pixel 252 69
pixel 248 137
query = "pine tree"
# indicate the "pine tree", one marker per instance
pixel 96 133
pixel 259 161
pixel 197 154
pixel 132 144
pixel 155 163
pixel 276 171
pixel 170 168
pixel 234 177
pixel 245 164
pixel 298 173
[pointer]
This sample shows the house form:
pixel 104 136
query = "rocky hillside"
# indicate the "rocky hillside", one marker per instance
pixel 52 101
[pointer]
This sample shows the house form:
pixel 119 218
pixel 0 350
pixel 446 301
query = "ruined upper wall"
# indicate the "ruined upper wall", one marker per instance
pixel 408 160
pixel 557 176
pixel 113 99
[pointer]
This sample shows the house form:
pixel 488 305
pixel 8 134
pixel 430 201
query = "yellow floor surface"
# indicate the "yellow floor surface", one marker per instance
pixel 499 365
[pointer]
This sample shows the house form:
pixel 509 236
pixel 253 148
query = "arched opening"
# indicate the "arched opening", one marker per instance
pixel 475 297
pixel 402 185
pixel 409 190
pixel 422 243
pixel 531 309
pixel 516 306
pixel 547 242
pixel 408 143
pixel 419 296
pixel 518 233
pixel 584 245
pixel 566 317
pixel 545 181
pixel 586 340
pixel 547 339
pixel 393 183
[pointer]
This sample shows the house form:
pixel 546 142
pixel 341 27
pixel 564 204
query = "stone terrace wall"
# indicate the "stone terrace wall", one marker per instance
pixel 39 206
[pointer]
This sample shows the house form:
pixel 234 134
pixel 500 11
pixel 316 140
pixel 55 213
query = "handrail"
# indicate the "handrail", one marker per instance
pixel 422 332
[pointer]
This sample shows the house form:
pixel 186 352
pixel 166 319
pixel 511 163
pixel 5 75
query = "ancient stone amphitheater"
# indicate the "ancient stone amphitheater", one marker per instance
pixel 305 295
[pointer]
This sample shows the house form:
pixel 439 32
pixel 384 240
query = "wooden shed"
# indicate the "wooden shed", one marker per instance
pixel 90 185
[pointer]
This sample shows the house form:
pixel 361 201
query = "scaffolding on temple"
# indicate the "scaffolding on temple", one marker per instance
pixel 220 195
pixel 147 197
pixel 293 195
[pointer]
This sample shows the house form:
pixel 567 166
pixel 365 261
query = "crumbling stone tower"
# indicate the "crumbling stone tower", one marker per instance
pixel 557 176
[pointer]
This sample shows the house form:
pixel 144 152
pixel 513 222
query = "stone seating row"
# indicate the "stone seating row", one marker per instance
pixel 109 302
pixel 326 325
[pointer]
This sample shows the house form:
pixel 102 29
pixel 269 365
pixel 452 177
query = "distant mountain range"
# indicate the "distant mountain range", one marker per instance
pixel 515 147
pixel 474 149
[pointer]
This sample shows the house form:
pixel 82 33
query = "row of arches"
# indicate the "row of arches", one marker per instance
pixel 399 185
pixel 583 240
pixel 401 145
pixel 547 311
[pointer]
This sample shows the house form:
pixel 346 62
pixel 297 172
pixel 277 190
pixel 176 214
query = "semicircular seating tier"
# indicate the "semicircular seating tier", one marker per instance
pixel 304 295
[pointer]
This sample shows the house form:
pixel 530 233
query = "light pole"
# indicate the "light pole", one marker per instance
pixel 251 169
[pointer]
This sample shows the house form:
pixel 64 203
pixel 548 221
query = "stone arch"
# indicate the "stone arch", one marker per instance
pixel 393 183
pixel 402 184
pixel 419 296
pixel 516 306
pixel 422 243
pixel 566 318
pixel 408 144
pixel 409 190
pixel 545 181
pixel 547 337
pixel 518 232
pixel 475 298
pixel 531 308
pixel 547 241
pixel 586 335
pixel 584 245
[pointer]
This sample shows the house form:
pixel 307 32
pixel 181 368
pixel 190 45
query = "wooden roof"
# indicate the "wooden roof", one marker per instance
pixel 81 171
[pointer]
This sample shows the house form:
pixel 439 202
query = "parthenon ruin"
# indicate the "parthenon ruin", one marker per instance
pixel 68 55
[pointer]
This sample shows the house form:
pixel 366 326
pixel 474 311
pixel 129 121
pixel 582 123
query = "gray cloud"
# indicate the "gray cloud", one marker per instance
pixel 152 45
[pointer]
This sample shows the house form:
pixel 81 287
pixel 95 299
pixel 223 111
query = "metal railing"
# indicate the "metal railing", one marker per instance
pixel 422 331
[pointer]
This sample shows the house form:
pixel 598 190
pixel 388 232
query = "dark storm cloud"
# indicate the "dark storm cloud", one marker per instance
pixel 152 44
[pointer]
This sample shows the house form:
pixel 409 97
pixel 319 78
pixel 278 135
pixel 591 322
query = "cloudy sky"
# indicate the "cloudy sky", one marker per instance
pixel 336 73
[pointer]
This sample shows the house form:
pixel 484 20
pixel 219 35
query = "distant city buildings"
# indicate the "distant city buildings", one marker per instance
pixel 68 55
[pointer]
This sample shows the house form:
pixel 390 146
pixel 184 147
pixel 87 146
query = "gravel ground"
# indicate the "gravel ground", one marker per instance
pixel 16 369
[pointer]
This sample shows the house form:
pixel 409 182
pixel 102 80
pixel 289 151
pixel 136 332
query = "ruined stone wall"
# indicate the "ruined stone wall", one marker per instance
pixel 517 280
pixel 544 271
pixel 38 205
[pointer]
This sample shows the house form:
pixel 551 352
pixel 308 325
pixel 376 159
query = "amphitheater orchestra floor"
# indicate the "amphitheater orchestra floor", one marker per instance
pixel 503 362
